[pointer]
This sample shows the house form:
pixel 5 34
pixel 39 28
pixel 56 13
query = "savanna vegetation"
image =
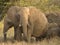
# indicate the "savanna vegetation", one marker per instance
pixel 45 6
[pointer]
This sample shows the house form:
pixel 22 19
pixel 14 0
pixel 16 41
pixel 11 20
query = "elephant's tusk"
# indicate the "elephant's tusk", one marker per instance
pixel 20 25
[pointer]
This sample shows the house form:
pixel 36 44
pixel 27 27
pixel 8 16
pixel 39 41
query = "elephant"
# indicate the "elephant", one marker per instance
pixel 11 19
pixel 53 17
pixel 53 30
pixel 33 21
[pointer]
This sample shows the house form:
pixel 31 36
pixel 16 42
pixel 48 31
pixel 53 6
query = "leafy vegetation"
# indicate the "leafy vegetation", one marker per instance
pixel 44 5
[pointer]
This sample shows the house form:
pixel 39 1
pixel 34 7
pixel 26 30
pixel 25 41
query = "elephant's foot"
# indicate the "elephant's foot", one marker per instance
pixel 25 39
pixel 33 40
pixel 14 37
pixel 18 35
pixel 17 38
pixel 5 38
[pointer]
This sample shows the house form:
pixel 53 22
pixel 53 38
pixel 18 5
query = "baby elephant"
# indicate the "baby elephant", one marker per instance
pixel 53 30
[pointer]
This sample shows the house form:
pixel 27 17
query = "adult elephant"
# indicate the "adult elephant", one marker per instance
pixel 34 22
pixel 11 19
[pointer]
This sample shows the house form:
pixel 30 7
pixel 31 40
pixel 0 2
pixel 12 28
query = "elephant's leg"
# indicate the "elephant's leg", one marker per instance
pixel 17 33
pixel 25 32
pixel 15 29
pixel 29 35
pixel 20 30
pixel 6 27
pixel 30 30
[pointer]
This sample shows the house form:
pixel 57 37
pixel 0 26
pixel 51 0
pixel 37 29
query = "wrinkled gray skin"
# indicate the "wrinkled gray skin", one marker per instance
pixel 35 23
pixel 11 19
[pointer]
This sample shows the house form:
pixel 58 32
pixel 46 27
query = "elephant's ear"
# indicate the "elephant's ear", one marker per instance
pixel 17 17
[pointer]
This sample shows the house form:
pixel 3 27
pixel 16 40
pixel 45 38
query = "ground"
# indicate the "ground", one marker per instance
pixel 11 41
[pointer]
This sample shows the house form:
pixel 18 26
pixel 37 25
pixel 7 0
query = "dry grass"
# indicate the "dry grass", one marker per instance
pixel 10 41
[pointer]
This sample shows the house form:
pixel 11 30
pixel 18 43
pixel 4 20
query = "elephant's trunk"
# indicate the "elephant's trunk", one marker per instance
pixel 24 12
